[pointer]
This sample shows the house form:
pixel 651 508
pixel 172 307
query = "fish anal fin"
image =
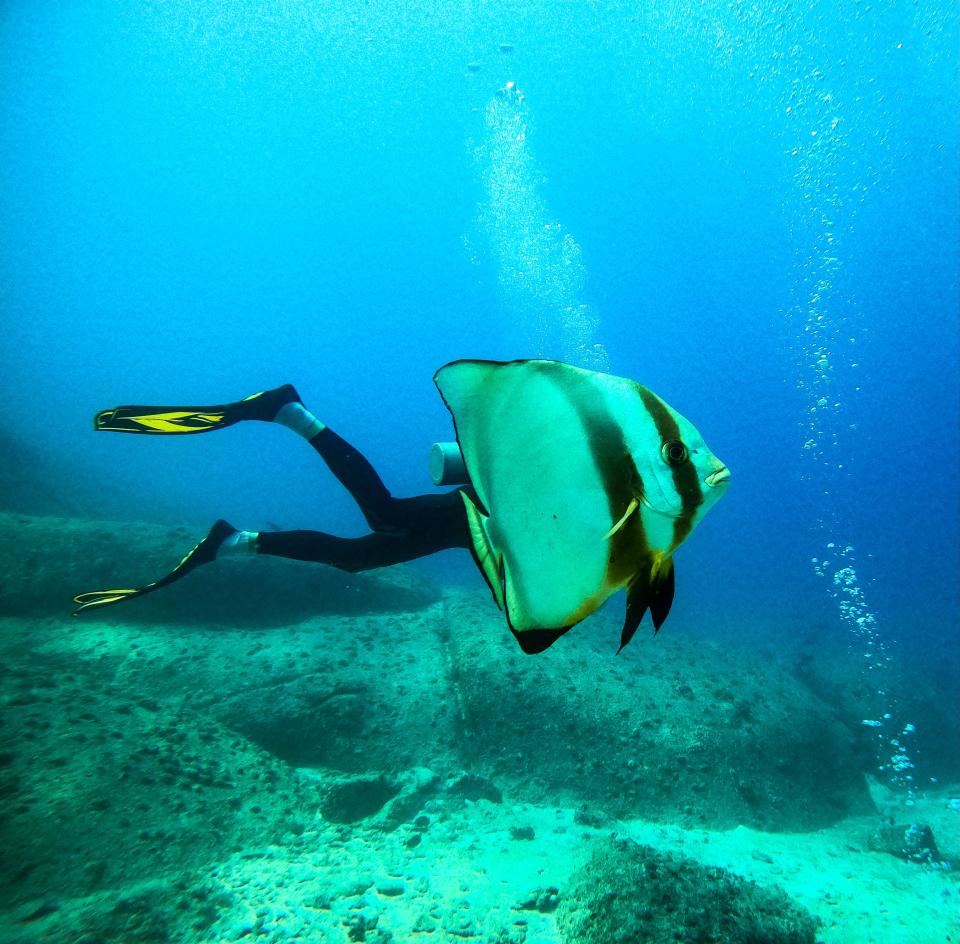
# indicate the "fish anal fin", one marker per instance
pixel 637 594
pixel 651 590
pixel 661 598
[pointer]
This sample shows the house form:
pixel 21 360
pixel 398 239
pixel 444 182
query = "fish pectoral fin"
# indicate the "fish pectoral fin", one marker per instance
pixel 631 508
pixel 651 590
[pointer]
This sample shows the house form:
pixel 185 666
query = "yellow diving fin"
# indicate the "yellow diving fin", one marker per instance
pixel 173 420
pixel 203 553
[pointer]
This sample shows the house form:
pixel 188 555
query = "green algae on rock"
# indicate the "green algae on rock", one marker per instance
pixel 633 894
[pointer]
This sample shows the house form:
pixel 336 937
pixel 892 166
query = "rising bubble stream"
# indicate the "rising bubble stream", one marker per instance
pixel 539 262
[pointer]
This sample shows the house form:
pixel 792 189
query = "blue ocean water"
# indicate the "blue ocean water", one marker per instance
pixel 750 208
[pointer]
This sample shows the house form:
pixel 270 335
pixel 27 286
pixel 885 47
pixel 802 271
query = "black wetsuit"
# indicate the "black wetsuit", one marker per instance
pixel 403 529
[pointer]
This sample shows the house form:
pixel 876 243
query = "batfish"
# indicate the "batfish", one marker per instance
pixel 587 484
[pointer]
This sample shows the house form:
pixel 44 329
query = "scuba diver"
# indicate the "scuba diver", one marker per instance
pixel 577 484
pixel 402 529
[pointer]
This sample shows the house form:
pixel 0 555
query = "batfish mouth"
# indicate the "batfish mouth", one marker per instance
pixel 718 478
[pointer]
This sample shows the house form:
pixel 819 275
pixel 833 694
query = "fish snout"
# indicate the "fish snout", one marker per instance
pixel 719 477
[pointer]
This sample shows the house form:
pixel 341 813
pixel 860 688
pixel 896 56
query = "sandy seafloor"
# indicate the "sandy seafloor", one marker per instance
pixel 381 772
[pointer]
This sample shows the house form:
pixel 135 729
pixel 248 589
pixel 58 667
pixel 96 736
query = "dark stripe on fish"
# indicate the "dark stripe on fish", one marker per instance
pixel 629 550
pixel 611 457
pixel 607 451
pixel 685 479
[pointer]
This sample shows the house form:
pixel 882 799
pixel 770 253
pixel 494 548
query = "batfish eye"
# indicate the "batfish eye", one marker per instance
pixel 674 453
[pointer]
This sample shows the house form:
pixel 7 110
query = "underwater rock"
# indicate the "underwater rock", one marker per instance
pixel 349 801
pixel 637 895
pixel 474 787
pixel 391 887
pixel 339 693
pixel 426 923
pixel 54 558
pixel 141 913
pixel 361 926
pixel 103 795
pixel 461 921
pixel 380 800
pixel 659 731
pixel 544 900
pixel 587 817
pixel 354 886
pixel 522 833
pixel 416 787
pixel 306 722
pixel 913 842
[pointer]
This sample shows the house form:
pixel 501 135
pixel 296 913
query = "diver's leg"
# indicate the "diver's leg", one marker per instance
pixel 440 523
pixel 377 549
pixel 281 405
pixel 351 468
pixel 359 478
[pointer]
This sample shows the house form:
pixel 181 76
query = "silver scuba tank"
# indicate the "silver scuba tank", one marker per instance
pixel 446 464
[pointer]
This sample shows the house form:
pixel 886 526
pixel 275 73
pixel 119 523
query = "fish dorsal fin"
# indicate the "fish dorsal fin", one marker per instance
pixel 651 590
pixel 631 508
